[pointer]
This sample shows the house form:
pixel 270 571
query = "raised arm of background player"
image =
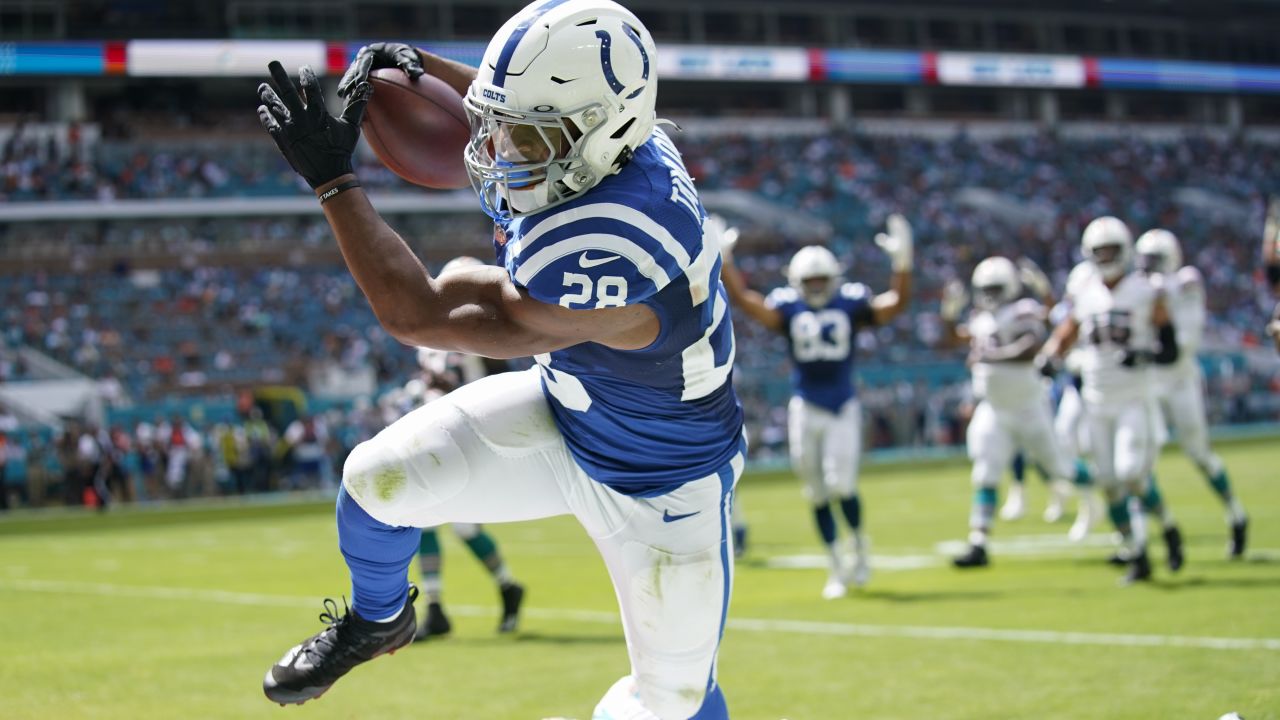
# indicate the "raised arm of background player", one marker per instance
pixel 897 243
pixel 956 334
pixel 1271 264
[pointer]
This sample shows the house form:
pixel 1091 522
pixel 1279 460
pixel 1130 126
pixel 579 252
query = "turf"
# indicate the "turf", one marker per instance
pixel 178 613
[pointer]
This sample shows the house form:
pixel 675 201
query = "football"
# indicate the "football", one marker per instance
pixel 418 128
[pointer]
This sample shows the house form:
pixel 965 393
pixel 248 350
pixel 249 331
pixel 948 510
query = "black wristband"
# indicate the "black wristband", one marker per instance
pixel 329 194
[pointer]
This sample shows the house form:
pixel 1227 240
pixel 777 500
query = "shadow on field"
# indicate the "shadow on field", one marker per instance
pixel 896 596
pixel 530 638
pixel 1174 583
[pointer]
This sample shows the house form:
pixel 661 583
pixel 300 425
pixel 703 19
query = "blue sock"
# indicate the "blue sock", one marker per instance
pixel 1019 468
pixel 852 509
pixel 378 558
pixel 826 523
pixel 714 706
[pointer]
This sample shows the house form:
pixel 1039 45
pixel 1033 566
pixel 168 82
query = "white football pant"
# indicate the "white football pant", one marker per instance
pixel 1068 424
pixel 825 448
pixel 1122 438
pixel 995 436
pixel 490 452
pixel 1182 404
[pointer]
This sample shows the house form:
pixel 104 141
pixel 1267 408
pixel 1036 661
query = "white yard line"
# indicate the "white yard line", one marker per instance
pixel 793 627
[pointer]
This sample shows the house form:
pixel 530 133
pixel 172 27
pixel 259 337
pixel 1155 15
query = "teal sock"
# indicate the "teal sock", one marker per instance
pixel 1083 476
pixel 482 545
pixel 1221 485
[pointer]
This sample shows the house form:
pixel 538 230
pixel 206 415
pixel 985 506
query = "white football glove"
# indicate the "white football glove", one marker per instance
pixel 1034 278
pixel 897 243
pixel 714 228
pixel 954 298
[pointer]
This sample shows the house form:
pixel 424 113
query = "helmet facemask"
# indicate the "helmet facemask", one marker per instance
pixel 523 162
pixel 989 297
pixel 817 290
pixel 1111 260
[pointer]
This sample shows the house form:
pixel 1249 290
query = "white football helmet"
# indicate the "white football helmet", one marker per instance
pixel 809 265
pixel 564 95
pixel 1108 244
pixel 995 282
pixel 1159 252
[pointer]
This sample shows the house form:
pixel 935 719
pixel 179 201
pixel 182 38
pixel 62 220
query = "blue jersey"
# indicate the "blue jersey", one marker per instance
pixel 644 421
pixel 821 341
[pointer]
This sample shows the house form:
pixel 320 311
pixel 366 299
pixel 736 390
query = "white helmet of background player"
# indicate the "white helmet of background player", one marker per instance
pixel 564 95
pixel 1108 244
pixel 814 273
pixel 1159 252
pixel 995 282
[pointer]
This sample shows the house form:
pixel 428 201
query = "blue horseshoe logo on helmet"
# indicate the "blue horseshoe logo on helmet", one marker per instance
pixel 606 61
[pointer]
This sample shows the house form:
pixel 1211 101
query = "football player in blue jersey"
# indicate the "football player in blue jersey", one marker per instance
pixel 819 316
pixel 628 421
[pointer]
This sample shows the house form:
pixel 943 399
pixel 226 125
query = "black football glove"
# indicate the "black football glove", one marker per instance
pixel 1047 366
pixel 317 145
pixel 377 56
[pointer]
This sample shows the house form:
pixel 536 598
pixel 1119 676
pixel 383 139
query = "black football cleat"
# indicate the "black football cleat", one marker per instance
pixel 975 557
pixel 311 668
pixel 512 598
pixel 435 624
pixel 1239 534
pixel 1173 546
pixel 1139 569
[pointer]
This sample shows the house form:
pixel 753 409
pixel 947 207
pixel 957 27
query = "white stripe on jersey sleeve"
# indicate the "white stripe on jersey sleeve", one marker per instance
pixel 701 374
pixel 609 211
pixel 642 259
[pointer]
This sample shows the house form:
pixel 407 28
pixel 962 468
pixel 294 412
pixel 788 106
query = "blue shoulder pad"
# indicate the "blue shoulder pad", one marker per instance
pixel 600 254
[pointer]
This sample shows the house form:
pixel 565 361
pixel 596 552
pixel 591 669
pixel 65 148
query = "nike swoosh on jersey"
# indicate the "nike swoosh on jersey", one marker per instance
pixel 668 517
pixel 586 262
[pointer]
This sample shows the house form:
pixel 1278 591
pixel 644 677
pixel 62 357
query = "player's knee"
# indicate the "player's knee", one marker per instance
pixel 985 474
pixel 466 531
pixel 673 703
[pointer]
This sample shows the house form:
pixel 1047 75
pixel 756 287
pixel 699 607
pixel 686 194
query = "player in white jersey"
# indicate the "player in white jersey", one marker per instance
pixel 629 422
pixel 820 316
pixel 1122 323
pixel 1004 334
pixel 1179 385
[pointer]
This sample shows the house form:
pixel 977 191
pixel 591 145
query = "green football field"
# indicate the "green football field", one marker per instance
pixel 177 613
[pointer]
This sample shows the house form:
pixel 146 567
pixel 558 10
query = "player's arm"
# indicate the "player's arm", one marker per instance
pixel 749 301
pixel 898 244
pixel 413 61
pixel 954 298
pixel 1055 348
pixel 478 310
pixel 1024 349
pixel 1167 336
pixel 481 312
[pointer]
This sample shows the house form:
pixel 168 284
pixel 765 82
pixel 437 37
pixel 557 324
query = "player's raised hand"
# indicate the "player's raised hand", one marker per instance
pixel 318 145
pixel 1034 278
pixel 897 243
pixel 954 298
pixel 716 229
pixel 376 56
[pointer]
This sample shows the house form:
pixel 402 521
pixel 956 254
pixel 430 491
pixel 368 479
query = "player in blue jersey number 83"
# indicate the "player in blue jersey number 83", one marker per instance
pixel 629 421
pixel 819 316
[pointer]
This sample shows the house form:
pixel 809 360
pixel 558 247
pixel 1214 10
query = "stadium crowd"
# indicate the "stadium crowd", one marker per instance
pixel 197 327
